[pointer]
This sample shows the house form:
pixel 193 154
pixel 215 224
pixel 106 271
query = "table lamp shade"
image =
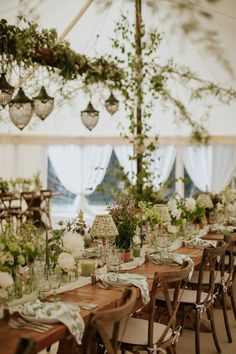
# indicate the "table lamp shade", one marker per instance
pixel 103 227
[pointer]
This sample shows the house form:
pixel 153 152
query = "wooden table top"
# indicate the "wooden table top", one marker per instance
pixel 105 299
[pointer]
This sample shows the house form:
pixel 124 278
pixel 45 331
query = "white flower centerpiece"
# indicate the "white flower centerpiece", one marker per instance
pixel 72 244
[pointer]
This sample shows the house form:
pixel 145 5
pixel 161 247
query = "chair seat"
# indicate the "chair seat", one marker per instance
pixel 136 332
pixel 189 296
pixel 206 277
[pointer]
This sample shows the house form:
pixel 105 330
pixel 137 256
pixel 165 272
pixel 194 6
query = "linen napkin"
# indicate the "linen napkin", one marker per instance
pixel 198 242
pixel 172 257
pixel 126 279
pixel 69 314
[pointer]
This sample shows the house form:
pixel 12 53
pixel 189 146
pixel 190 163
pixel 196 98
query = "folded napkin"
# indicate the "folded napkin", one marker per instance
pixel 136 262
pixel 198 242
pixel 126 279
pixel 218 227
pixel 69 314
pixel 172 257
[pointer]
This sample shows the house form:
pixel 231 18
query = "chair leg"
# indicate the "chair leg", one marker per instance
pixel 197 332
pixel 210 315
pixel 225 313
pixel 231 293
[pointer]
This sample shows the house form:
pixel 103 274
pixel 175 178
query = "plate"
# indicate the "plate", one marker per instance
pixel 41 320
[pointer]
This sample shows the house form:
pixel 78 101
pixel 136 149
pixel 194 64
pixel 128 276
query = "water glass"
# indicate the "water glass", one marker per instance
pixel 114 258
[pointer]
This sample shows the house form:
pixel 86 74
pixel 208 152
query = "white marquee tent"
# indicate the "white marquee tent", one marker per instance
pixel 91 36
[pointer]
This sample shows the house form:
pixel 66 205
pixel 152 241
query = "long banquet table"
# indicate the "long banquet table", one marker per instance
pixel 105 299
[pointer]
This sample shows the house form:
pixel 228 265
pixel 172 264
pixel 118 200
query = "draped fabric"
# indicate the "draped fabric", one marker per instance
pixel 163 160
pixel 210 167
pixel 23 161
pixel 124 155
pixel 80 169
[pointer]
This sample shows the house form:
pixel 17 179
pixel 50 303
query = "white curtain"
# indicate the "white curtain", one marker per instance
pixel 124 154
pixel 80 169
pixel 163 160
pixel 210 167
pixel 23 161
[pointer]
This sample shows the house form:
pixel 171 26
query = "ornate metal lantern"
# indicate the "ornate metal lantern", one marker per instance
pixel 90 116
pixel 43 104
pixel 20 109
pixel 112 104
pixel 6 91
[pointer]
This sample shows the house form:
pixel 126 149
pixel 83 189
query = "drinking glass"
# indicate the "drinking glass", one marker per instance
pixel 55 281
pixel 43 284
pixel 114 258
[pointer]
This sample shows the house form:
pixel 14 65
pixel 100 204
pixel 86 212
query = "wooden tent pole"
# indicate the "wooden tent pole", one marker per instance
pixel 61 37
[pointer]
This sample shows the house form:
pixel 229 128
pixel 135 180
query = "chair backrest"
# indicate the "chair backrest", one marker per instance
pixel 167 282
pixel 100 321
pixel 228 265
pixel 212 259
pixel 26 346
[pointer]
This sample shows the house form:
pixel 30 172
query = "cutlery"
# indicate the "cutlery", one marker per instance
pixel 87 306
pixel 16 325
pixel 35 323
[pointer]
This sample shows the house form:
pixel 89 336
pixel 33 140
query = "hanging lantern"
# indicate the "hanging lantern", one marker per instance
pixel 20 109
pixel 112 104
pixel 43 104
pixel 6 91
pixel 90 117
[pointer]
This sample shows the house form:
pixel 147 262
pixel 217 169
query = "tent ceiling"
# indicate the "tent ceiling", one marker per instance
pixel 92 34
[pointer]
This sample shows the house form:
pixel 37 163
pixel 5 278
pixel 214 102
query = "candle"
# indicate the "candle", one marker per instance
pixel 136 251
pixel 87 267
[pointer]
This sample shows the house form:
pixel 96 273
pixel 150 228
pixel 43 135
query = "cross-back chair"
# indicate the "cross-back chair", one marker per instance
pixel 104 327
pixel 201 299
pixel 26 346
pixel 148 335
pixel 225 273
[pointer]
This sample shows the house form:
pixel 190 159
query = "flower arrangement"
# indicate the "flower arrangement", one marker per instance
pixel 6 282
pixel 187 210
pixel 126 217
pixel 77 224
pixel 66 245
pixel 19 247
pixel 150 215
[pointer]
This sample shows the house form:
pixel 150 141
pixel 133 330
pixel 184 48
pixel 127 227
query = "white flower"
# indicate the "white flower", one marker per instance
pixel 136 240
pixel 172 204
pixel 73 243
pixel 190 204
pixel 66 261
pixel 176 213
pixel 219 206
pixel 172 229
pixel 6 282
pixel 204 200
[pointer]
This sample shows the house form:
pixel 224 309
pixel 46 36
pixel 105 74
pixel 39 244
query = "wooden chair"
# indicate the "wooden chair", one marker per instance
pixel 224 278
pixel 202 298
pixel 148 335
pixel 26 346
pixel 100 322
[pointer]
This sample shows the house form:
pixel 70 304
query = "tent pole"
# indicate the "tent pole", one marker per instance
pixel 139 93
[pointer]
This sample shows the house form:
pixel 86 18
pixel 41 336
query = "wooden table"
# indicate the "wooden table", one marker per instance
pixel 105 299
